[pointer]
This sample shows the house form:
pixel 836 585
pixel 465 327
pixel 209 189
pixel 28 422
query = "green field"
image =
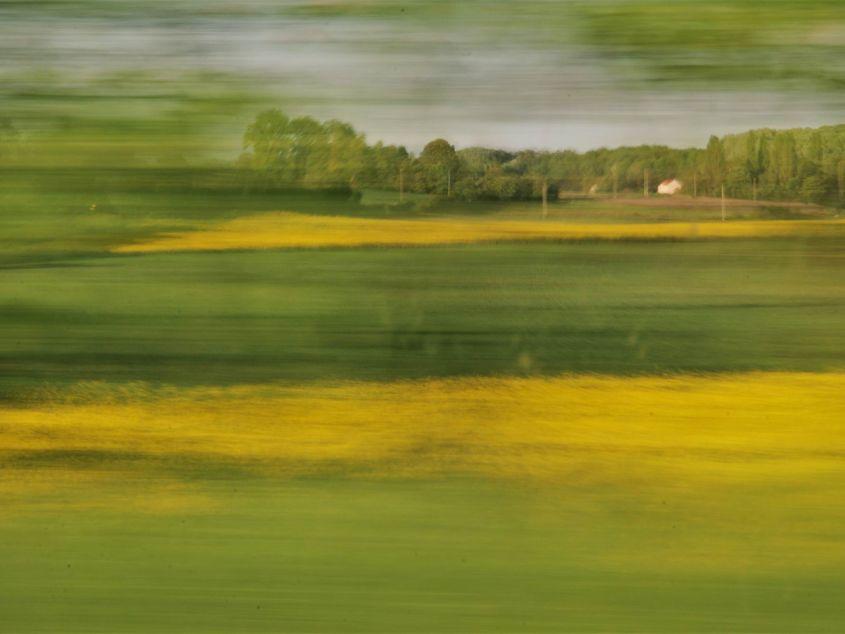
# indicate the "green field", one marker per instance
pixel 372 317
pixel 329 556
pixel 604 307
pixel 100 547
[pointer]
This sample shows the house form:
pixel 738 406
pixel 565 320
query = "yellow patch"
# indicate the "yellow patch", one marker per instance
pixel 718 472
pixel 292 230
pixel 602 429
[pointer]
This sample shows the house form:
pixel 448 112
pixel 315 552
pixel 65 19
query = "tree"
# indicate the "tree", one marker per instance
pixel 777 164
pixel 475 161
pixel 755 162
pixel 272 147
pixel 387 166
pixel 783 160
pixel 303 151
pixel 337 157
pixel 840 179
pixel 814 189
pixel 307 150
pixel 714 164
pixel 540 170
pixel 439 163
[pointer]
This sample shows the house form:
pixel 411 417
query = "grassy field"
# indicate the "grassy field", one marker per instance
pixel 254 316
pixel 582 435
pixel 683 504
pixel 48 214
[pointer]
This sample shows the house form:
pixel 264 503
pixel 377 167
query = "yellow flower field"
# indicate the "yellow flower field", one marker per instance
pixel 292 230
pixel 701 448
pixel 758 425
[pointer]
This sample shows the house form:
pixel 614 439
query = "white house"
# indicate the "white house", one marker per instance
pixel 670 187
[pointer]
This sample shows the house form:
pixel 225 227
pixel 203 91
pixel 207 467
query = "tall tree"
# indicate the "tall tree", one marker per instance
pixel 303 151
pixel 439 163
pixel 784 160
pixel 755 163
pixel 840 180
pixel 714 165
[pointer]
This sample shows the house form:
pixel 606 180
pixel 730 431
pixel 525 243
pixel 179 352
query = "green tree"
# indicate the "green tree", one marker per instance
pixel 476 161
pixel 714 165
pixel 784 161
pixel 388 167
pixel 540 171
pixel 840 179
pixel 439 163
pixel 786 164
pixel 814 189
pixel 337 155
pixel 303 151
pixel 270 146
pixel 755 162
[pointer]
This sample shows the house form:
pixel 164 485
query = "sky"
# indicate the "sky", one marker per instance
pixel 500 74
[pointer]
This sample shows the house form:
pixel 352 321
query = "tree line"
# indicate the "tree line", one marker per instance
pixel 798 164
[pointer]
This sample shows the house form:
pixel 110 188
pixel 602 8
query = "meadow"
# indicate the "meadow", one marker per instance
pixel 365 316
pixel 210 423
pixel 536 504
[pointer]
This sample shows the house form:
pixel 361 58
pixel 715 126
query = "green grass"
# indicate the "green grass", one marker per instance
pixel 338 554
pixel 622 308
pixel 458 556
pixel 50 213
